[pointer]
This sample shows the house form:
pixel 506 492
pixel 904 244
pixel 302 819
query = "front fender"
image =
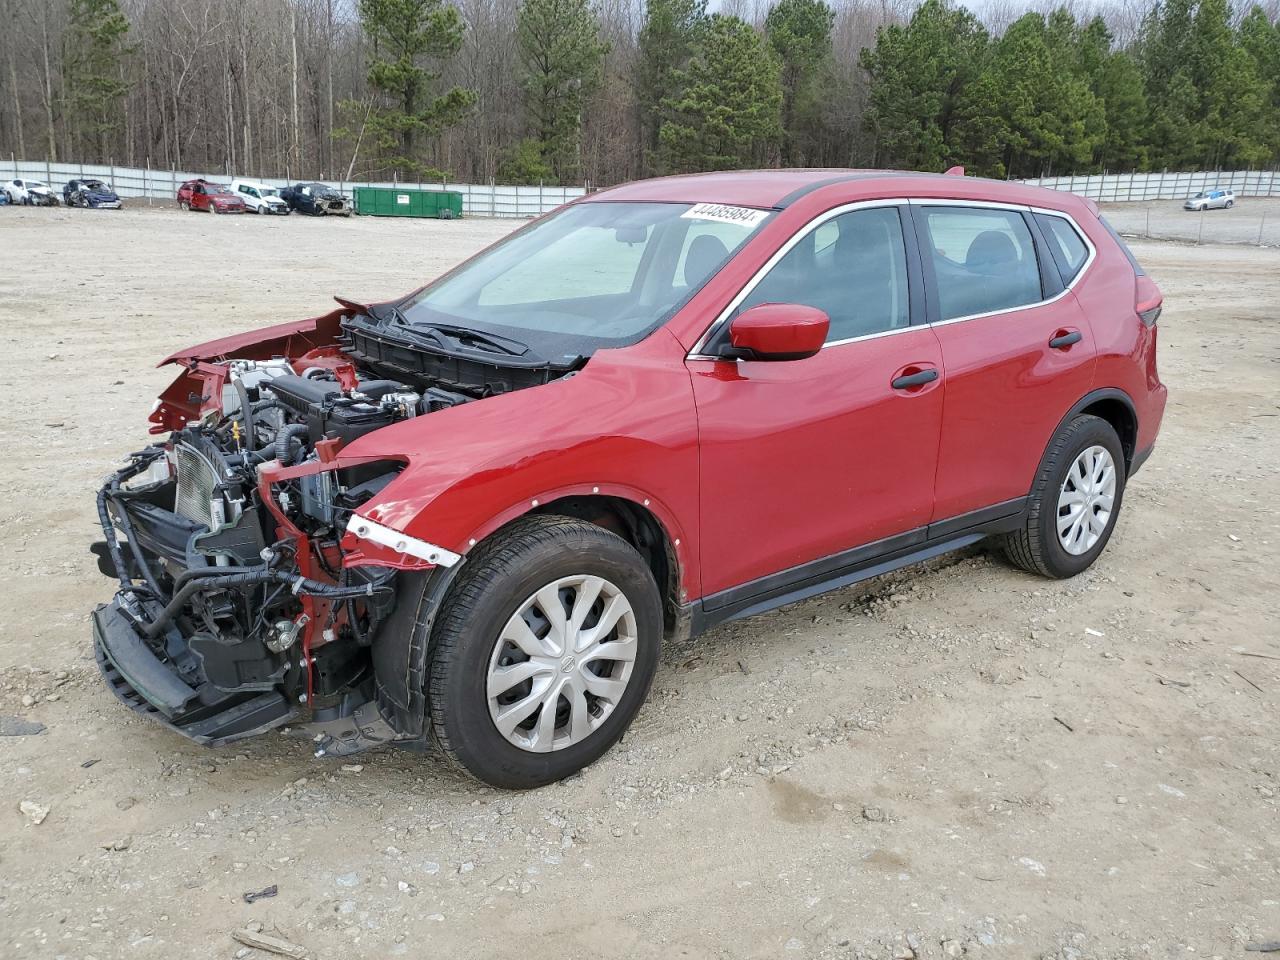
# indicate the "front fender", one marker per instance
pixel 624 426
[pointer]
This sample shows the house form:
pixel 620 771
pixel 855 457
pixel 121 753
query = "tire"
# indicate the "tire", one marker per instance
pixel 184 206
pixel 1230 204
pixel 503 577
pixel 1038 546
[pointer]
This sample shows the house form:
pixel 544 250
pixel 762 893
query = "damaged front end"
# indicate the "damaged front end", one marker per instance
pixel 251 593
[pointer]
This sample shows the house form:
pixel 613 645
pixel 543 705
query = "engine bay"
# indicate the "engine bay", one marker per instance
pixel 227 541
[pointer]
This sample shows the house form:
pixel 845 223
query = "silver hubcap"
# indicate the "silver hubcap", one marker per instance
pixel 562 663
pixel 1086 500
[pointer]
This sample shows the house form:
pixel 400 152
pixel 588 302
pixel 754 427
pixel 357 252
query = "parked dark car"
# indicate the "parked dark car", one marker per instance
pixel 471 515
pixel 90 193
pixel 316 199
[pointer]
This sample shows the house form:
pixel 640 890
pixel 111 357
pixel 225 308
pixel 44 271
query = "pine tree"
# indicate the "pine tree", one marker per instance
pixel 665 43
pixel 1260 40
pixel 918 75
pixel 727 113
pixel 799 33
pixel 404 34
pixel 1051 119
pixel 561 53
pixel 93 71
pixel 1116 80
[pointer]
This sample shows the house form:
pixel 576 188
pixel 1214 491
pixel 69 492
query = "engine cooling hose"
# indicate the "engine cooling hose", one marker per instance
pixel 298 584
pixel 284 441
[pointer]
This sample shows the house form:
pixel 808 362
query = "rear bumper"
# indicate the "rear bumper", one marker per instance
pixel 156 688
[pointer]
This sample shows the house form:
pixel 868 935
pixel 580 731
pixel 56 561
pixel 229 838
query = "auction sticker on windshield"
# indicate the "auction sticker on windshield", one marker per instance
pixel 723 213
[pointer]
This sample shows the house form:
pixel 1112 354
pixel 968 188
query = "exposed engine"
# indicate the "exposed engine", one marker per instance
pixel 226 575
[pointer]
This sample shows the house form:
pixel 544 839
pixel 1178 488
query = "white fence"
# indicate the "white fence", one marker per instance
pixel 1123 187
pixel 161 186
pixel 497 200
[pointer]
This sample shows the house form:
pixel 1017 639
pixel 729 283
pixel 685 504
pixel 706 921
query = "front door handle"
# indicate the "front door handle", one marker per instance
pixel 1064 340
pixel 907 381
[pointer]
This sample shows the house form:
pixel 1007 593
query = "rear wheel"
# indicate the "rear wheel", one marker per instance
pixel 544 651
pixel 1075 502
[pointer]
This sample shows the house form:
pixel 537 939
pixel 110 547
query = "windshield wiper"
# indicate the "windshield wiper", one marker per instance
pixel 446 333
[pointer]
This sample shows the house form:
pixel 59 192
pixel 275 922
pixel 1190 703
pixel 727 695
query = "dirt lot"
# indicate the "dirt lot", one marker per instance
pixel 958 760
pixel 1251 221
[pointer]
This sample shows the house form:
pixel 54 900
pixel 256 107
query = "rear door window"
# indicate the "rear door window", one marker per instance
pixel 1066 247
pixel 983 258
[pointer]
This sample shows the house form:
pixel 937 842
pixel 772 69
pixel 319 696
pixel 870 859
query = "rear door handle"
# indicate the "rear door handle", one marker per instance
pixel 910 380
pixel 1064 340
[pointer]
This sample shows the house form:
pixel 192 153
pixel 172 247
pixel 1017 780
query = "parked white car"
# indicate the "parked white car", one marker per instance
pixel 1211 200
pixel 259 197
pixel 31 192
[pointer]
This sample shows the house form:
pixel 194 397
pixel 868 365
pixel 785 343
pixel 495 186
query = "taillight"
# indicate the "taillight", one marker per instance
pixel 1148 301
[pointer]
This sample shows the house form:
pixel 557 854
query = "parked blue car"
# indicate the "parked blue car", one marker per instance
pixel 90 193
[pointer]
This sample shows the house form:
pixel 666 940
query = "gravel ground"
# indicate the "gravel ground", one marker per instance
pixel 956 760
pixel 1253 220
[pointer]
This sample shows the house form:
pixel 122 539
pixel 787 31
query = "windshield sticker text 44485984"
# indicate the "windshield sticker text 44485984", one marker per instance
pixel 724 213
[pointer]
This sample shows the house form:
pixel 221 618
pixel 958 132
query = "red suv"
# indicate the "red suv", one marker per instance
pixel 203 195
pixel 471 515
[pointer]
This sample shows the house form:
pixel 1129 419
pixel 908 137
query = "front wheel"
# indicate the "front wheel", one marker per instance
pixel 1074 503
pixel 1230 204
pixel 544 651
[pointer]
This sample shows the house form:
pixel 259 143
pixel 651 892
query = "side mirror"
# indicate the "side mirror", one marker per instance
pixel 777 331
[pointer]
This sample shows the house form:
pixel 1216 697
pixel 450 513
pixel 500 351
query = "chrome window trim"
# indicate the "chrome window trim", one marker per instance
pixel 697 354
pixel 723 317
pixel 997 205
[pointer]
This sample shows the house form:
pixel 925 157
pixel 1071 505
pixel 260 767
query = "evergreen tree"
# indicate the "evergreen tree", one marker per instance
pixel 727 112
pixel 561 53
pixel 404 35
pixel 1116 80
pixel 93 71
pixel 799 33
pixel 1260 40
pixel 1207 98
pixel 1049 117
pixel 665 44
pixel 918 75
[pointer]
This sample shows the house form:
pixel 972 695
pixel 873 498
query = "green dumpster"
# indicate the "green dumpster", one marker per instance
pixel 398 202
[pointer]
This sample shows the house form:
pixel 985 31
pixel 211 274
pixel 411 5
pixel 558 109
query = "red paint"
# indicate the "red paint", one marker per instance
pixel 780 330
pixel 213 197
pixel 801 459
pixel 751 467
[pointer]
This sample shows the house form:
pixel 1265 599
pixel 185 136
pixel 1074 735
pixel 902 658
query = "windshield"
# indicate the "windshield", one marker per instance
pixel 604 272
pixel 267 191
pixel 95 185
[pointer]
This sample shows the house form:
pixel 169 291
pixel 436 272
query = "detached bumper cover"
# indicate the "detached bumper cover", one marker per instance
pixel 152 687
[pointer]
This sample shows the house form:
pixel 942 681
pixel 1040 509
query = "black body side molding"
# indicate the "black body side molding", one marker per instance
pixel 852 566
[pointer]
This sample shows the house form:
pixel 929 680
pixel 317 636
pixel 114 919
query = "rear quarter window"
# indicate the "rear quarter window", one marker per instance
pixel 1068 249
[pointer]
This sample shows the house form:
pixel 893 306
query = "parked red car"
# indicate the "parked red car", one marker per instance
pixel 204 195
pixel 472 514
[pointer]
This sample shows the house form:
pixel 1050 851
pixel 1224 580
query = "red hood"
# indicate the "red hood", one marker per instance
pixel 181 401
pixel 280 340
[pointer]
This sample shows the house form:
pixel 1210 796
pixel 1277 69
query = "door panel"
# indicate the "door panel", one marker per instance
pixel 803 459
pixel 1007 388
